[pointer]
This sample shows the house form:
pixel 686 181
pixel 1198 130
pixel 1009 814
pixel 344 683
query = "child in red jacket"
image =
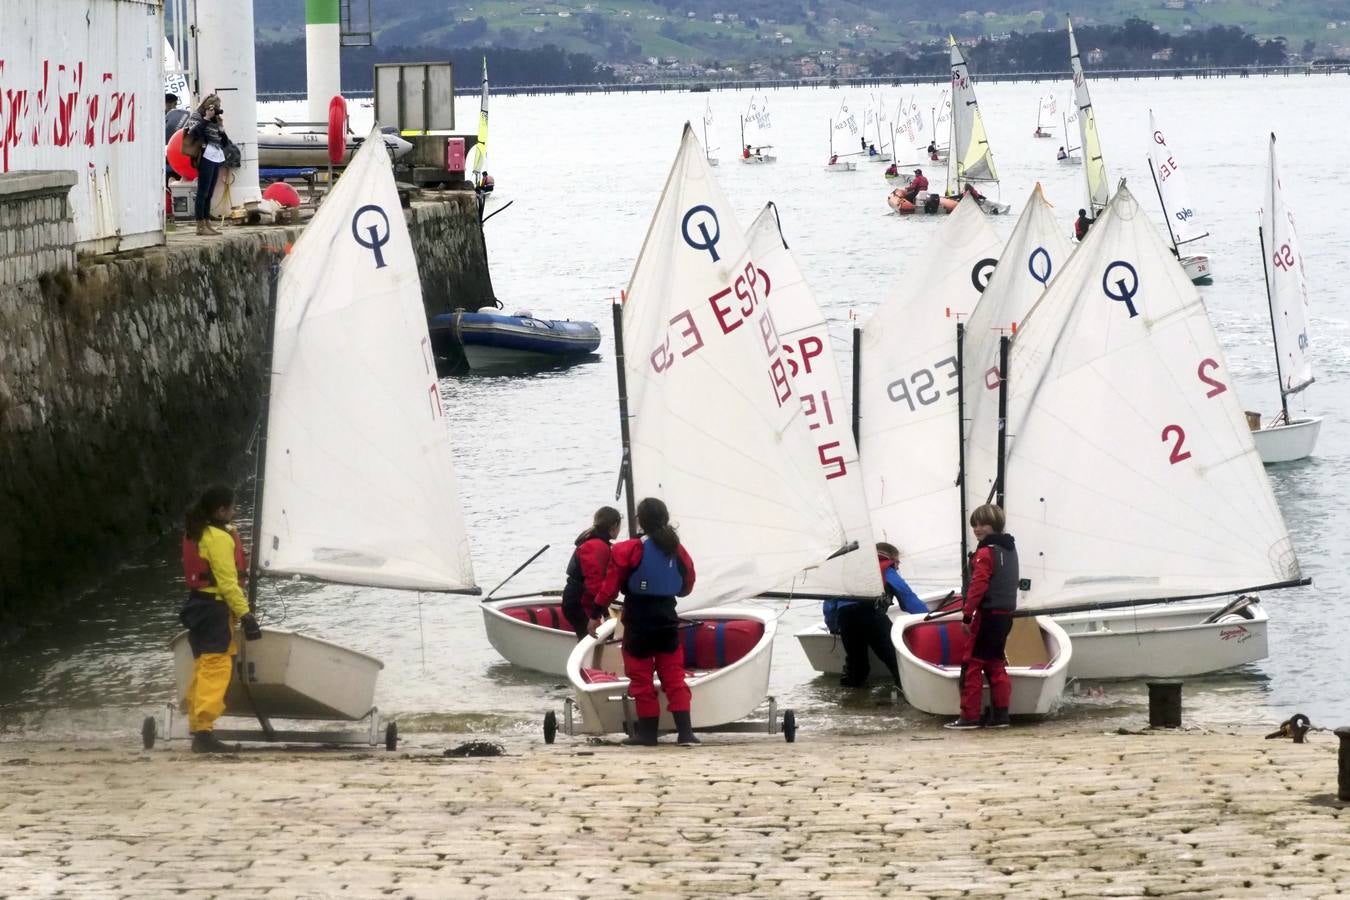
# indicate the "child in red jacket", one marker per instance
pixel 987 613
pixel 652 571
pixel 586 571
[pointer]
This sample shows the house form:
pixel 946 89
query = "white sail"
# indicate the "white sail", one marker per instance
pixel 1287 285
pixel 1182 221
pixel 1032 257
pixel 1094 166
pixel 805 336
pixel 176 78
pixel 907 398
pixel 359 485
pixel 1131 472
pixel 1069 112
pixel 846 120
pixel 1046 112
pixel 757 119
pixel 718 427
pixel 971 157
pixel 481 147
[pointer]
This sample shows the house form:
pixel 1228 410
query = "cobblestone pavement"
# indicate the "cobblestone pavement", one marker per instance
pixel 1039 811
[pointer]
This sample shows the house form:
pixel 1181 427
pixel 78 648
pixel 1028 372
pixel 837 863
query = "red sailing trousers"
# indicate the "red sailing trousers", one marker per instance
pixel 670 668
pixel 986 659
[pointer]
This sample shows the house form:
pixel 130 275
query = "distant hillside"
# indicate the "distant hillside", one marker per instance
pixel 708 31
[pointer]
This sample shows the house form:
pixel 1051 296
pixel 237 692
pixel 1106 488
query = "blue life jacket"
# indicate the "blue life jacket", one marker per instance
pixel 657 574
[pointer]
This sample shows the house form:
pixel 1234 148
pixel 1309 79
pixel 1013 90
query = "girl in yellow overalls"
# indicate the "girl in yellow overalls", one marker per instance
pixel 215 568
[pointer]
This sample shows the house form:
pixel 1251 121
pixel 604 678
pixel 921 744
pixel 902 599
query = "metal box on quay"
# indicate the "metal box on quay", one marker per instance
pixel 81 85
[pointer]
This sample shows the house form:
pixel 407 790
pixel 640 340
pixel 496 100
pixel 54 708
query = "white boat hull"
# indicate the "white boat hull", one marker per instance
pixel 712 161
pixel 825 652
pixel 759 160
pixel 539 647
pixel 880 158
pixel 1286 443
pixel 720 696
pixel 1197 269
pixel 934 686
pixel 1071 161
pixel 1163 641
pixel 291 676
pixel 841 167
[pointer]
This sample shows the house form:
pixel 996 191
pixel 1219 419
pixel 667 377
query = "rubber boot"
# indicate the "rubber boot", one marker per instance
pixel 998 718
pixel 207 742
pixel 644 733
pixel 684 728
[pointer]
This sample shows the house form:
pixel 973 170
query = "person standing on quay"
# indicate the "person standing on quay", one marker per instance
pixel 652 571
pixel 214 567
pixel 207 132
pixel 987 613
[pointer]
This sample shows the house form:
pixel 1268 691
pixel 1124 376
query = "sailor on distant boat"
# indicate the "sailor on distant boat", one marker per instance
pixel 834 158
pixel 486 183
pixel 586 571
pixel 1081 225
pixel 987 614
pixel 214 567
pixel 1062 154
pixel 652 571
pixel 920 183
pixel 892 170
pixel 871 149
pixel 932 151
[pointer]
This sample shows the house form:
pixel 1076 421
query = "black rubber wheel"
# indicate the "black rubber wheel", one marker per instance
pixel 550 726
pixel 149 730
pixel 391 737
pixel 789 726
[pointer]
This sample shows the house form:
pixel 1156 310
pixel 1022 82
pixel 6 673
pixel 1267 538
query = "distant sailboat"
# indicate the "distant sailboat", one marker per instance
pixel 480 148
pixel 757 115
pixel 1183 224
pixel 1094 166
pixel 1045 112
pixel 707 123
pixel 972 158
pixel 1069 116
pixel 1286 438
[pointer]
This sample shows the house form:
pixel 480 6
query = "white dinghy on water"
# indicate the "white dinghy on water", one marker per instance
pixel 911 399
pixel 972 158
pixel 713 424
pixel 1046 107
pixel 834 163
pixel 1183 223
pixel 757 114
pixel 1131 477
pixel 355 483
pixel 1094 166
pixel 1069 115
pixel 1286 438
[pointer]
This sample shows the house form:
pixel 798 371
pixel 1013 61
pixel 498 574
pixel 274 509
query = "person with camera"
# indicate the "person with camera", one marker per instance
pixel 215 568
pixel 206 135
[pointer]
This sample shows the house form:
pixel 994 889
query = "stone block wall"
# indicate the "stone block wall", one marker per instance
pixel 36 234
pixel 130 381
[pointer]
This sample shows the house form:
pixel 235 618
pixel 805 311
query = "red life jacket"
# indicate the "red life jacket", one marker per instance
pixel 197 571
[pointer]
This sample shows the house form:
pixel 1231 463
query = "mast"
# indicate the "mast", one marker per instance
pixel 1002 419
pixel 626 467
pixel 1274 335
pixel 857 389
pixel 260 460
pixel 961 450
pixel 742 133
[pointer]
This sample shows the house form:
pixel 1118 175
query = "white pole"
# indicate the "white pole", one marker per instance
pixel 225 66
pixel 323 56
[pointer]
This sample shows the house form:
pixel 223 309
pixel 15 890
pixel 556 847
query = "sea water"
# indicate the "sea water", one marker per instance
pixel 537 453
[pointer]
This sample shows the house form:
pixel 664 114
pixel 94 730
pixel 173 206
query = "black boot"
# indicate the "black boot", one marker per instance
pixel 644 733
pixel 207 742
pixel 998 718
pixel 684 728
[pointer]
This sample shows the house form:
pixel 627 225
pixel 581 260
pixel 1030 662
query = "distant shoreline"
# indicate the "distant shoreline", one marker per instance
pixel 707 85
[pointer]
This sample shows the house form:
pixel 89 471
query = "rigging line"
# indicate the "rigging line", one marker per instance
pixel 421 633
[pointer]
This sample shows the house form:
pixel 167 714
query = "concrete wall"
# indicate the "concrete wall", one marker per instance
pixel 130 382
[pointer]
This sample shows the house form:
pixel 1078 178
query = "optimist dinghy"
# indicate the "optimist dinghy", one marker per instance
pixel 1183 223
pixel 355 483
pixel 695 376
pixel 530 632
pixel 1286 438
pixel 1169 464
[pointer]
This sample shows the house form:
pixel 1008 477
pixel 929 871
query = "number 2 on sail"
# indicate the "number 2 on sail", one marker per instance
pixel 1216 387
pixel 1178 455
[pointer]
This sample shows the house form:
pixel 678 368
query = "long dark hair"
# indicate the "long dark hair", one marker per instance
pixel 200 514
pixel 602 524
pixel 654 520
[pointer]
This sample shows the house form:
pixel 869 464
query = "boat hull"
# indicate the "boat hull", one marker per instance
pixel 759 160
pixel 719 696
pixel 825 652
pixel 309 149
pixel 1071 161
pixel 1287 443
pixel 932 684
pixel 541 645
pixel 841 167
pixel 291 676
pixel 492 341
pixel 1163 641
pixel 1197 269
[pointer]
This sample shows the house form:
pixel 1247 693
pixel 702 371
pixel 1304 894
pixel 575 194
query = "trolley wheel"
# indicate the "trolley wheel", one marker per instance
pixel 550 726
pixel 149 730
pixel 391 736
pixel 789 726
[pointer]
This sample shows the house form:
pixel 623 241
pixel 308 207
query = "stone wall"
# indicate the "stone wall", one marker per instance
pixel 35 225
pixel 130 381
